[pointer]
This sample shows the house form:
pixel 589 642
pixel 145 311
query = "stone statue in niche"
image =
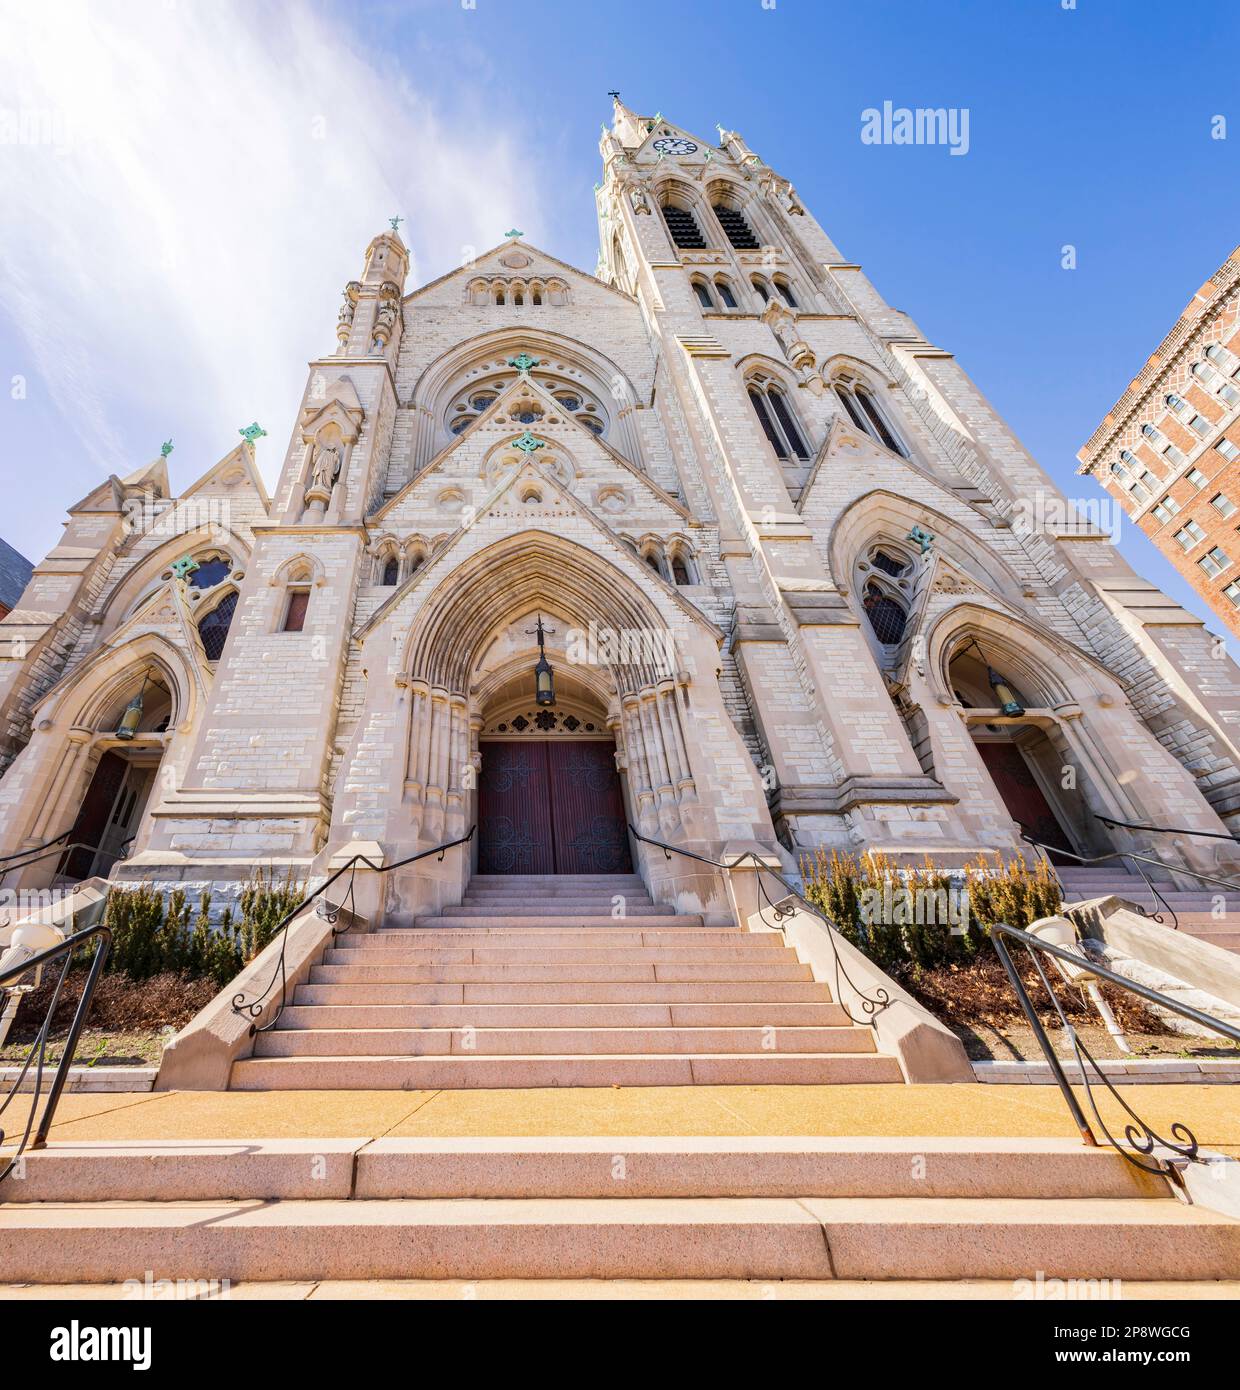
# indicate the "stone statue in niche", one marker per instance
pixel 326 469
pixel 637 196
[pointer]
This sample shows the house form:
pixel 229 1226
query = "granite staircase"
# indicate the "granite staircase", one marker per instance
pixel 567 980
pixel 823 1210
pixel 1208 913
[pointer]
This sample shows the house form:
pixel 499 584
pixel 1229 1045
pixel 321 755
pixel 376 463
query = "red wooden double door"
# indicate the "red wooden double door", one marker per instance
pixel 551 806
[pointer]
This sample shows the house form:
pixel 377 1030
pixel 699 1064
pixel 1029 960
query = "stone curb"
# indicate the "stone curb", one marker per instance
pixel 1151 1071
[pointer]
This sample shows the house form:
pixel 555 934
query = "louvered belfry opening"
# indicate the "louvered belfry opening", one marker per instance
pixel 683 226
pixel 739 232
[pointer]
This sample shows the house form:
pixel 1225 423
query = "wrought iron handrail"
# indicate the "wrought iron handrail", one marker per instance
pixel 1230 885
pixel 62 851
pixel 101 932
pixel 1141 1139
pixel 1102 859
pixel 869 1006
pixel 254 1007
pixel 32 849
pixel 1166 829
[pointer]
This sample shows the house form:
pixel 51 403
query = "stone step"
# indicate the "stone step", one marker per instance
pixel 507 893
pixel 363 1169
pixel 769 1015
pixel 395 952
pixel 508 1042
pixel 545 938
pixel 532 972
pixel 520 882
pixel 538 918
pixel 652 992
pixel 553 907
pixel 519 1072
pixel 621 1237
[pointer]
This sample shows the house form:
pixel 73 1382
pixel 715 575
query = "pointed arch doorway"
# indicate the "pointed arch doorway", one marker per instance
pixel 550 800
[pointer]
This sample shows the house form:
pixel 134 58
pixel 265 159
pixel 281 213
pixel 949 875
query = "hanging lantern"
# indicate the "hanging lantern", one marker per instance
pixel 544 677
pixel 1005 696
pixel 132 716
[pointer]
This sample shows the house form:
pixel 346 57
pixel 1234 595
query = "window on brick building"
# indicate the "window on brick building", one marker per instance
pixel 1225 360
pixel 1184 412
pixel 1196 477
pixel 1228 450
pixel 1164 446
pixel 295 610
pixel 1222 504
pixel 1189 535
pixel 1214 562
pixel 1232 591
pixel 1216 382
pixel 1166 509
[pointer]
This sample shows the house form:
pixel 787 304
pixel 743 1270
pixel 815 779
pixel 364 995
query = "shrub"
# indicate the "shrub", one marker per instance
pixel 925 917
pixel 153 937
pixel 264 905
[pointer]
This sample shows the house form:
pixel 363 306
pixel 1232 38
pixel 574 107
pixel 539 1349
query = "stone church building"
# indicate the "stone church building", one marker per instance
pixel 796 582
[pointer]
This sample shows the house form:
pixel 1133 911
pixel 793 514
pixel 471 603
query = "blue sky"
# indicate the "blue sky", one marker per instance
pixel 173 245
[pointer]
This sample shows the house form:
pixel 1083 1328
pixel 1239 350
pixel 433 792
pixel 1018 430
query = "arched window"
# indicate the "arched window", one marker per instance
pixel 863 411
pixel 499 295
pixel 702 290
pixel 764 293
pixel 391 571
pixel 725 294
pixel 1216 382
pixel 887 616
pixel 518 297
pixel 536 295
pixel 213 629
pixel 785 290
pixel 736 228
pixel 683 228
pixel 653 561
pixel 777 420
pixel 1181 409
pixel 680 571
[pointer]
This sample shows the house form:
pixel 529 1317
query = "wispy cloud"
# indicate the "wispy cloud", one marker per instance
pixel 187 188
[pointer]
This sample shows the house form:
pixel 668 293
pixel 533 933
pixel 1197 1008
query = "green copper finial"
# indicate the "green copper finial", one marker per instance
pixel 394 223
pixel 920 536
pixel 166 448
pixel 523 362
pixel 252 433
pixel 184 567
pixel 513 234
pixel 528 443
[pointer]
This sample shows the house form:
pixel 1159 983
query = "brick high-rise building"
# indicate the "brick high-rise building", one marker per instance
pixel 1169 449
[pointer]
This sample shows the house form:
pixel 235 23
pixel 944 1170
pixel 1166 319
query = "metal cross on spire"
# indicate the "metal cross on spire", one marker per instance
pixel 394 223
pixel 513 234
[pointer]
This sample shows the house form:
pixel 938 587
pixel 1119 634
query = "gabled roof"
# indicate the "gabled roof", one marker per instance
pixel 489 262
pixel 243 456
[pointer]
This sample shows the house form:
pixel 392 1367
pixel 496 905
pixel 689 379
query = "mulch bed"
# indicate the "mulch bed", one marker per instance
pixel 120 1005
pixel 981 993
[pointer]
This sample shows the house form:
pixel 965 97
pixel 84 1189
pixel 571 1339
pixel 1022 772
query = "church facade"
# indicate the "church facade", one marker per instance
pixel 713 543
